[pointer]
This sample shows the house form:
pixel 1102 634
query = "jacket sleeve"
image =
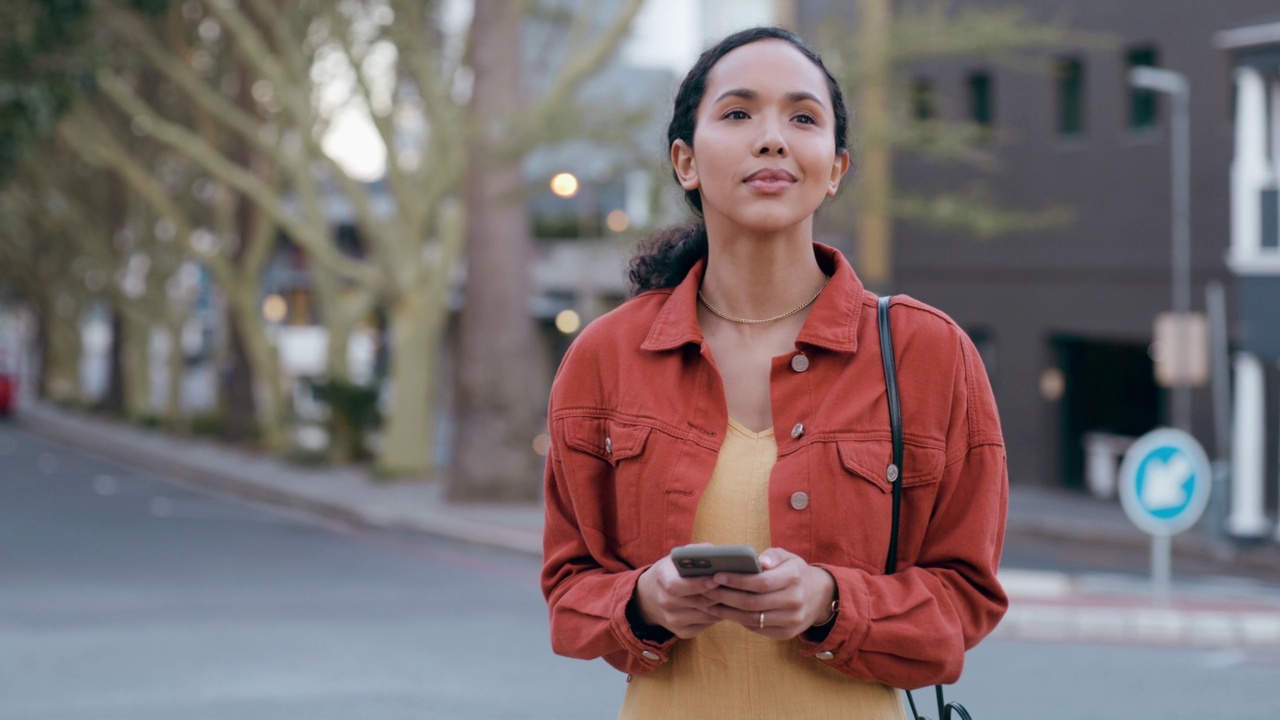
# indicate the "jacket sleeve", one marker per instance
pixel 912 628
pixel 587 588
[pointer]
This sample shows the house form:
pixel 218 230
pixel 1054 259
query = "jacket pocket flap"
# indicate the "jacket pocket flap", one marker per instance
pixel 609 440
pixel 870 460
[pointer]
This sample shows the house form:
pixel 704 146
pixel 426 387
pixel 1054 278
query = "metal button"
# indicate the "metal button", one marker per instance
pixel 608 446
pixel 892 473
pixel 799 363
pixel 650 655
pixel 799 500
pixel 798 431
pixel 825 655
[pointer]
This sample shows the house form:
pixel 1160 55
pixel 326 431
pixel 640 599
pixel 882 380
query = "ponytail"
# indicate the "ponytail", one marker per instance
pixel 665 259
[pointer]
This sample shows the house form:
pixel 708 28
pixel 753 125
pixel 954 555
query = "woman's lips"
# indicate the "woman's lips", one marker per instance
pixel 770 182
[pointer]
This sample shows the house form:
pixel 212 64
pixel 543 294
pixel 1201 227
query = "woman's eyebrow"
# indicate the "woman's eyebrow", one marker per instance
pixel 793 97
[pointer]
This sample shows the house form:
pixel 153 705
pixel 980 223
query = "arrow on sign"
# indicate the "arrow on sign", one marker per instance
pixel 1165 483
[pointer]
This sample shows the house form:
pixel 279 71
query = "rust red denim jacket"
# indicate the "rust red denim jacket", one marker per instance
pixel 637 417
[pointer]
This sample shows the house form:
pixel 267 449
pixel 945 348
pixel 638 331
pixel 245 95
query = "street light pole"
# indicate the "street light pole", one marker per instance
pixel 1175 85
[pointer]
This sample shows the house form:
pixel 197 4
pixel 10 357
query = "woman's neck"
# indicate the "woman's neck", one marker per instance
pixel 756 277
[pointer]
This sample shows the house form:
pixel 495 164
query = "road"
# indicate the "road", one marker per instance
pixel 124 597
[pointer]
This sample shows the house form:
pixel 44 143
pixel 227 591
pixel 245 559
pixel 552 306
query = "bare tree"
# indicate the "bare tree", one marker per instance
pixel 892 37
pixel 421 119
pixel 40 258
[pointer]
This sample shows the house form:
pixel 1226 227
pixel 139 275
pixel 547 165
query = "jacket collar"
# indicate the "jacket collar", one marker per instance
pixel 832 322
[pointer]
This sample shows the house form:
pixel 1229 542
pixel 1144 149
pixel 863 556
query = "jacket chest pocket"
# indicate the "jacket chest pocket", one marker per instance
pixel 611 470
pixel 862 521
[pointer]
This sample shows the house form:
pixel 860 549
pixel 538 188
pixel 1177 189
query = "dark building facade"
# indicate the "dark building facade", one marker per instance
pixel 1064 316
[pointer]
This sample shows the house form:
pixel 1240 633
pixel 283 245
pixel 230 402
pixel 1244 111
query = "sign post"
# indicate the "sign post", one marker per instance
pixel 1165 482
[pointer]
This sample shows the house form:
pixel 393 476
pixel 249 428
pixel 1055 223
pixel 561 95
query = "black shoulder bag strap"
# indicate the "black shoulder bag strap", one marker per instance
pixel 945 710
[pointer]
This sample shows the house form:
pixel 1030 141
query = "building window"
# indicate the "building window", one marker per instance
pixel 981 103
pixel 1070 74
pixel 1270 224
pixel 924 102
pixel 1144 105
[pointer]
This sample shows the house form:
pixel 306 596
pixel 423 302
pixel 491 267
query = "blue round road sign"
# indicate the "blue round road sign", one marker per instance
pixel 1165 481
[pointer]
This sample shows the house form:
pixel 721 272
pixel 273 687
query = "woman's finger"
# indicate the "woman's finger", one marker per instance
pixel 778 623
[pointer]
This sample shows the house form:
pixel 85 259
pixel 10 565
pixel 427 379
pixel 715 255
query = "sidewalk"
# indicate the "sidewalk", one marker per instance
pixel 1045 604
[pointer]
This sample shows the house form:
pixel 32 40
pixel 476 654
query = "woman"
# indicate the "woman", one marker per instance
pixel 739 398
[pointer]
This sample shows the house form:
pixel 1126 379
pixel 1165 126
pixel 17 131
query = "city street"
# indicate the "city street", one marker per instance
pixel 125 597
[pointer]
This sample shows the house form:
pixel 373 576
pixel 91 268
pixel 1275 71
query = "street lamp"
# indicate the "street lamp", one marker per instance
pixel 1175 85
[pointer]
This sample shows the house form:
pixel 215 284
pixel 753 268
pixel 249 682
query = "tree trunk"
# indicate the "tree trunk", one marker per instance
pixel 254 391
pixel 135 358
pixel 874 257
pixel 61 372
pixel 114 402
pixel 496 425
pixel 408 445
pixel 173 414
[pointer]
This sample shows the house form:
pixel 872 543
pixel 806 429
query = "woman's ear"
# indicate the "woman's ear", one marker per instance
pixel 838 169
pixel 685 167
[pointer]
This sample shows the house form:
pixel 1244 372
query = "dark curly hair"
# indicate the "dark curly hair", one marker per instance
pixel 665 258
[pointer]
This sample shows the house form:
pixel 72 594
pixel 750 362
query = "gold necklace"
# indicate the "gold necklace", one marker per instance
pixel 744 321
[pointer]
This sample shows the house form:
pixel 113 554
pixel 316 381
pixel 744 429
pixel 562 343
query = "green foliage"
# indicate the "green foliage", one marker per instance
pixel 149 420
pixel 975 212
pixel 353 411
pixel 47 58
pixel 211 424
pixel 1004 35
pixel 43 64
pixel 154 8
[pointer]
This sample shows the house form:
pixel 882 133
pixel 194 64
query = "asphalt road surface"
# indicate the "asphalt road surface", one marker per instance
pixel 124 597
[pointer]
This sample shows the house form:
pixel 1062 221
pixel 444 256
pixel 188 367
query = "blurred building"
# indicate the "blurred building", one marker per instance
pixel 1064 317
pixel 1254 258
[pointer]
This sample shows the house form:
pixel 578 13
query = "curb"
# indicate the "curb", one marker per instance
pixel 1264 557
pixel 1055 607
pixel 121 451
pixel 452 522
pixel 1254 629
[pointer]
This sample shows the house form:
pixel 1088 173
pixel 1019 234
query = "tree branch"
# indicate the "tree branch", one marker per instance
pixel 577 69
pixel 180 74
pixel 84 132
pixel 340 27
pixel 182 140
pixel 253 48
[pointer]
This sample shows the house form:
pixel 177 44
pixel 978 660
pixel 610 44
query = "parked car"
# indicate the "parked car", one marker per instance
pixel 8 391
pixel 8 383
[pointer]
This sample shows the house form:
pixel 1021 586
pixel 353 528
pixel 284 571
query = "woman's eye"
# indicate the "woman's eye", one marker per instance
pixel 736 115
pixel 806 118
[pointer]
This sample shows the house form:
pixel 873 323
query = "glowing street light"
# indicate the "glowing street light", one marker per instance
pixel 568 322
pixel 618 221
pixel 564 185
pixel 274 308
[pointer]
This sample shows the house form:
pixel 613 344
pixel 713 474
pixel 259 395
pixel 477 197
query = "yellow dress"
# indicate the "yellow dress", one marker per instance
pixel 728 671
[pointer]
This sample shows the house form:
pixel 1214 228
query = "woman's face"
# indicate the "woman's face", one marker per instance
pixel 764 153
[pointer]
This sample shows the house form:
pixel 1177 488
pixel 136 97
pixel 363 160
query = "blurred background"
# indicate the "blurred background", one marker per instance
pixel 284 283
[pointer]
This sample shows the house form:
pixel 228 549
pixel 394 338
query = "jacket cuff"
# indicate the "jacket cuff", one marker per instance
pixel 840 647
pixel 643 630
pixel 642 655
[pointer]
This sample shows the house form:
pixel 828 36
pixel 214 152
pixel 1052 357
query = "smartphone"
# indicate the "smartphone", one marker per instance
pixel 699 560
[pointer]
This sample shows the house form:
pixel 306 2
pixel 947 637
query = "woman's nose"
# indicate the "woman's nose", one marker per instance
pixel 771 141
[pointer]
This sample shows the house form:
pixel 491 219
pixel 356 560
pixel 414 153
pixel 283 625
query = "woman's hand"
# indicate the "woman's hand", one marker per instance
pixel 676 603
pixel 793 595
